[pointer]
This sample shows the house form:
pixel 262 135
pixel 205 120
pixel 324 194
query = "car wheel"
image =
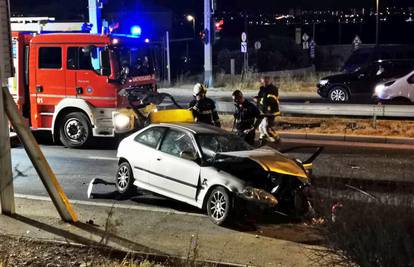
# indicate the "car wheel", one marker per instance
pixel 219 206
pixel 124 179
pixel 338 94
pixel 75 130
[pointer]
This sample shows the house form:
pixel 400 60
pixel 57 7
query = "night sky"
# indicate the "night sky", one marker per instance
pixel 77 8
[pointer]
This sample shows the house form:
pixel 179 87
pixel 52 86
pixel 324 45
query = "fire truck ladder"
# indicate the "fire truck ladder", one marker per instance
pixel 44 24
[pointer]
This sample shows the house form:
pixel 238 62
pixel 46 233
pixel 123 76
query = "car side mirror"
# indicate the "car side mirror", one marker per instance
pixel 187 154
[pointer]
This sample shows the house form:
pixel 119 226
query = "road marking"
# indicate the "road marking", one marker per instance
pixel 103 158
pixel 109 205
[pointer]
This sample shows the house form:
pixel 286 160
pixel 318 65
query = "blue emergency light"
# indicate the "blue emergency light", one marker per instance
pixel 136 30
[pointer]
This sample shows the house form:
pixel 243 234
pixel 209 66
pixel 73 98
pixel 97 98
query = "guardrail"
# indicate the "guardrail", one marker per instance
pixel 391 111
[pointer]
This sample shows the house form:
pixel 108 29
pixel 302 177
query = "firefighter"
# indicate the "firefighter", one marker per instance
pixel 246 117
pixel 203 108
pixel 268 100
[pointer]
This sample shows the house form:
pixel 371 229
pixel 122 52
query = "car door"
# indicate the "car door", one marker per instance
pixel 364 79
pixel 143 150
pixel 174 172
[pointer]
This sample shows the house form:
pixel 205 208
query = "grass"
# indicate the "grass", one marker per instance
pixel 370 234
pixel 364 127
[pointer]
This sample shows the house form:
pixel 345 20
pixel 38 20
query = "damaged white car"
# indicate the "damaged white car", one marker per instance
pixel 211 169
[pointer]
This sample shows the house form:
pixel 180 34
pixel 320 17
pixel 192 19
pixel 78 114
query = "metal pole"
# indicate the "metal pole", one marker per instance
pixel 377 25
pixel 208 49
pixel 167 47
pixel 39 161
pixel 6 175
pixel 95 16
pixel 314 32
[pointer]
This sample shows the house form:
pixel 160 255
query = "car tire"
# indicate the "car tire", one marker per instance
pixel 124 180
pixel 75 130
pixel 219 206
pixel 338 94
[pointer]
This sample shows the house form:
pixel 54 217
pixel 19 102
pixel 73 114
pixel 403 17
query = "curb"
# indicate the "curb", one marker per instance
pixel 350 138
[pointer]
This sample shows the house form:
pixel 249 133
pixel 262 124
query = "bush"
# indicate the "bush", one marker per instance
pixel 373 234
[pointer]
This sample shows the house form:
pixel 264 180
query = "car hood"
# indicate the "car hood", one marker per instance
pixel 340 77
pixel 272 161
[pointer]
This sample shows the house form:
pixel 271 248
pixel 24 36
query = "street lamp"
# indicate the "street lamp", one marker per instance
pixel 191 18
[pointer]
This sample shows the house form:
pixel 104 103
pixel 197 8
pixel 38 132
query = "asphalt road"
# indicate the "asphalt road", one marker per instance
pixel 76 168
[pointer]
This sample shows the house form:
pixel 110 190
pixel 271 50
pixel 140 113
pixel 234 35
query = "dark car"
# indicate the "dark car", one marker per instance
pixel 361 83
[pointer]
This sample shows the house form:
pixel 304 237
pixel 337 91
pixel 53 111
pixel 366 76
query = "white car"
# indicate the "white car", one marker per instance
pixel 211 169
pixel 400 90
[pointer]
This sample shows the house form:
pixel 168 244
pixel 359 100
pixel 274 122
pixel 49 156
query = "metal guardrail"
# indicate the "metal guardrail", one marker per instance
pixel 401 111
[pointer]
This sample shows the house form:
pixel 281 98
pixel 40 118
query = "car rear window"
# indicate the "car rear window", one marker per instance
pixel 150 137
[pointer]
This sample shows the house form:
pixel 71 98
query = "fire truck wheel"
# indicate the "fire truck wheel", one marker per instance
pixel 75 130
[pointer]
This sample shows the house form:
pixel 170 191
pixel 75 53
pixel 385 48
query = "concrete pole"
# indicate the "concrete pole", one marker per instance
pixel 39 161
pixel 208 48
pixel 6 175
pixel 95 17
pixel 167 48
pixel 377 24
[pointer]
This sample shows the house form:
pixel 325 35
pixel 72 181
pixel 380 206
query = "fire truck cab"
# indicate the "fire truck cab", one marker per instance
pixel 68 83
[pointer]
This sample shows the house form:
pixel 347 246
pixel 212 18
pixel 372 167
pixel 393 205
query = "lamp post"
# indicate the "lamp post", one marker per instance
pixel 377 25
pixel 191 18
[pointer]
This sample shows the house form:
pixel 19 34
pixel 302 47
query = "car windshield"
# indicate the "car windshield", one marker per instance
pixel 211 144
pixel 139 59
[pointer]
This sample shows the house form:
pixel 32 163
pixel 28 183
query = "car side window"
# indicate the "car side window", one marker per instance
pixel 150 137
pixel 410 79
pixel 177 142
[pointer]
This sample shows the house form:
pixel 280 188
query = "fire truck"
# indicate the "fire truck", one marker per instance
pixel 67 82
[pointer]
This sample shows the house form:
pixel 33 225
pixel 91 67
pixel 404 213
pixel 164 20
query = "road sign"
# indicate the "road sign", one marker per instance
pixel 243 47
pixel 6 66
pixel 257 45
pixel 244 37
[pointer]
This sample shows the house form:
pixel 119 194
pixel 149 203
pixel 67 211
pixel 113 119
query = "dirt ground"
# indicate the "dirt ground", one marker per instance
pixel 365 127
pixel 26 252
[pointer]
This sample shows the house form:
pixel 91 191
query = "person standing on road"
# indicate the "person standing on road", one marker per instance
pixel 268 101
pixel 204 108
pixel 246 117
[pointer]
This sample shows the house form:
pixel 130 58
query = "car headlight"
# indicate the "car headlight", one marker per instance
pixel 379 89
pixel 260 195
pixel 123 122
pixel 323 82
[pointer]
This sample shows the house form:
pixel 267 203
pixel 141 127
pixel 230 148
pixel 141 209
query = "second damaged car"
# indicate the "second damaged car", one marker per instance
pixel 211 169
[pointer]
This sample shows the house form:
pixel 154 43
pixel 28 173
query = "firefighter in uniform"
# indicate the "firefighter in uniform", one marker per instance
pixel 203 108
pixel 268 100
pixel 246 117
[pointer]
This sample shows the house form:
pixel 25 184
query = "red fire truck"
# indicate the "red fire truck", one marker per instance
pixel 68 83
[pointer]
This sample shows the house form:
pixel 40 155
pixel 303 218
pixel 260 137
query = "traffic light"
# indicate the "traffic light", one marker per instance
pixel 204 36
pixel 218 26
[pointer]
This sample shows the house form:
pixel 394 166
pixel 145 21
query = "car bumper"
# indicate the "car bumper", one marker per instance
pixel 323 91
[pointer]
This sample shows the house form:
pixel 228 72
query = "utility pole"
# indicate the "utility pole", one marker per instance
pixel 95 17
pixel 377 25
pixel 167 48
pixel 208 49
pixel 6 174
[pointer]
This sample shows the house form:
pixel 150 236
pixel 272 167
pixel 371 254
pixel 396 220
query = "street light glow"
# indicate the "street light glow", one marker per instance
pixel 190 18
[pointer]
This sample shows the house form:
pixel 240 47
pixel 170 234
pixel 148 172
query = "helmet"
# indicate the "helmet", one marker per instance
pixel 199 89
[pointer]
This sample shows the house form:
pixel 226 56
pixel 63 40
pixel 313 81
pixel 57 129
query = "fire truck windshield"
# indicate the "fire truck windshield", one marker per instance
pixel 138 59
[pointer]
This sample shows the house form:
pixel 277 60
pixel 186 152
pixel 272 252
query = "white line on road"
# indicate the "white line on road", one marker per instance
pixel 109 205
pixel 102 158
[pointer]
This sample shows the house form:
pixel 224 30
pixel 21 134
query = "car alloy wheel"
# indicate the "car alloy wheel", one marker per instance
pixel 124 179
pixel 338 94
pixel 218 206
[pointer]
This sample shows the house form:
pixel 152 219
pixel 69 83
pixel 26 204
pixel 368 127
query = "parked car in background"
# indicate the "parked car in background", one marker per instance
pixel 361 83
pixel 211 169
pixel 399 91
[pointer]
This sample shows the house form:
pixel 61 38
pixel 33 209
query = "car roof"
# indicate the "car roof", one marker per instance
pixel 196 128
